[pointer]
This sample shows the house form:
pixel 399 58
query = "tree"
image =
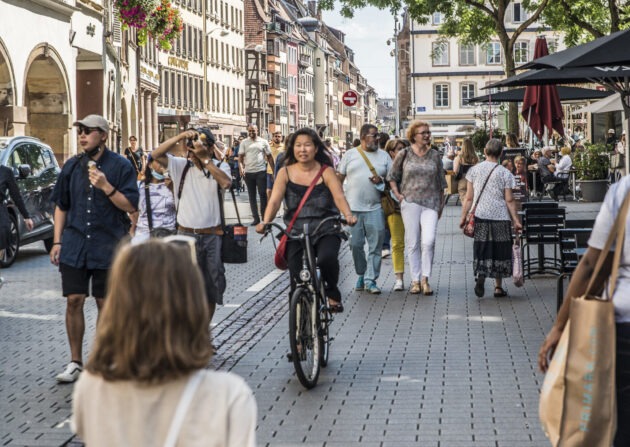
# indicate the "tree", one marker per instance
pixel 584 20
pixel 471 21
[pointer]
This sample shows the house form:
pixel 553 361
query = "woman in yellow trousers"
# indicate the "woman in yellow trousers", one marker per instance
pixel 395 223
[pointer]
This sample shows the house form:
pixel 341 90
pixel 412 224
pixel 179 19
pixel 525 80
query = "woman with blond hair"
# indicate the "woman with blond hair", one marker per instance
pixel 418 180
pixel 146 383
pixel 465 160
pixel 395 222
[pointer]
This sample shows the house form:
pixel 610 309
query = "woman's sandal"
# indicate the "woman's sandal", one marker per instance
pixel 426 289
pixel 479 286
pixel 499 292
pixel 335 308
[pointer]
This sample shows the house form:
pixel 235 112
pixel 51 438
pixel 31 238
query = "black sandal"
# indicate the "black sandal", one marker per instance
pixel 335 308
pixel 479 286
pixel 499 292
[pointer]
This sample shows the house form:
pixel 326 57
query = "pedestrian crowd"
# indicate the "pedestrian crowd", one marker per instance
pixel 156 296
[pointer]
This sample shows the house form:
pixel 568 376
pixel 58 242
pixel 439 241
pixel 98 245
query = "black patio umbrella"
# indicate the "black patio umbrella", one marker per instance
pixel 565 94
pixel 606 51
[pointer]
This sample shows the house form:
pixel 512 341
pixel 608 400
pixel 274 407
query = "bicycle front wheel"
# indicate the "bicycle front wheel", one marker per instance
pixel 303 336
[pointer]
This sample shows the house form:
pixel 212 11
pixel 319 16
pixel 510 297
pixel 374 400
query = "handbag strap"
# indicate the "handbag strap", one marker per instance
pixel 303 201
pixel 367 161
pixel 222 211
pixel 472 209
pixel 182 408
pixel 147 199
pixel 617 233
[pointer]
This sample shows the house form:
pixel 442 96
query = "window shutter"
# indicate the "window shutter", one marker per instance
pixel 116 28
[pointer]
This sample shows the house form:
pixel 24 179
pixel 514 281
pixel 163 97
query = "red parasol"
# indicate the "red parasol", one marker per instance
pixel 541 103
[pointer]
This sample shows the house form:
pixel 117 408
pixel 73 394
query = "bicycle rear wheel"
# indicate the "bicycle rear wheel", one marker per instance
pixel 303 336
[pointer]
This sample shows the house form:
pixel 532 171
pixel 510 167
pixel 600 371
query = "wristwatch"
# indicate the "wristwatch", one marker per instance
pixel 206 161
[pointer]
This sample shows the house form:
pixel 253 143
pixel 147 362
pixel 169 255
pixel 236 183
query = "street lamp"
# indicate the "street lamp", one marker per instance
pixel 395 51
pixel 484 114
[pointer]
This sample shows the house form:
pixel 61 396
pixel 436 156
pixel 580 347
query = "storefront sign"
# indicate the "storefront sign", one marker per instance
pixel 177 62
pixel 149 74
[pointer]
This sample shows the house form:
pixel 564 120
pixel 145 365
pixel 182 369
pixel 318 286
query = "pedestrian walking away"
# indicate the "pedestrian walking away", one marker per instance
pixel 363 190
pixel 146 384
pixel 305 157
pixel 621 300
pixel 465 160
pixel 490 190
pixel 253 156
pixel 197 181
pixel 419 172
pixel 8 183
pixel 395 222
pixel 95 191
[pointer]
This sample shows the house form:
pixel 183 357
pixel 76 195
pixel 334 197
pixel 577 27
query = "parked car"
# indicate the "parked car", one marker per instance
pixel 36 170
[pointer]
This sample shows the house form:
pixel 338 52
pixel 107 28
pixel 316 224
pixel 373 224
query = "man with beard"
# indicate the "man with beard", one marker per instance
pixel 363 190
pixel 95 191
pixel 197 181
pixel 253 156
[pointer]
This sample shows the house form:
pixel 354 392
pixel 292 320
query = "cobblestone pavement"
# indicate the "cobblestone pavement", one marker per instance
pixel 446 370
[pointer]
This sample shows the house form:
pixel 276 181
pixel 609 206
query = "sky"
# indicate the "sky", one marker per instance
pixel 367 33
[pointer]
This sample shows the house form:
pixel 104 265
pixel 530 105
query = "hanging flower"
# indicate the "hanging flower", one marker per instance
pixel 135 12
pixel 165 25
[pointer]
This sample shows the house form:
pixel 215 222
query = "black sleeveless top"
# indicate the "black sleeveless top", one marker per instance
pixel 318 206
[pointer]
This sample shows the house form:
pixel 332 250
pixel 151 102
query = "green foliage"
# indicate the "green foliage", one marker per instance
pixel 584 20
pixel 481 136
pixel 592 162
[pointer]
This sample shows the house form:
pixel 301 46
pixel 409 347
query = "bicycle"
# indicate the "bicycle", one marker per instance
pixel 309 313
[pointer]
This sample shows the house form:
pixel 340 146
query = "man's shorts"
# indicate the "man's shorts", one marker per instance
pixel 269 181
pixel 77 281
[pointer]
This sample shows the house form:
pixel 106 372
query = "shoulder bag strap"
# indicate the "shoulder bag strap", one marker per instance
pixel 484 187
pixel 182 408
pixel 617 233
pixel 181 186
pixel 147 199
pixel 308 193
pixel 367 161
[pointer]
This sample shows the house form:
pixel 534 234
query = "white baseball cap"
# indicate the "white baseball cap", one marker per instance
pixel 96 121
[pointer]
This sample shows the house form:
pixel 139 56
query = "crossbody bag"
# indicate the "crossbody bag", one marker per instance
pixel 469 223
pixel 387 202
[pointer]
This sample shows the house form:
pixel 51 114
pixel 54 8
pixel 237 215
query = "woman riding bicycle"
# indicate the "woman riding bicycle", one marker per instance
pixel 305 156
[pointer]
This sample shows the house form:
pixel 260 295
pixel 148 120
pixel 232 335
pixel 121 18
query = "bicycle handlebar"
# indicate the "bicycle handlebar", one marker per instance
pixel 339 218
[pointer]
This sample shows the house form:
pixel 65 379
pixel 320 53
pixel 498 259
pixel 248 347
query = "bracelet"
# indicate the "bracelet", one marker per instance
pixel 113 192
pixel 56 243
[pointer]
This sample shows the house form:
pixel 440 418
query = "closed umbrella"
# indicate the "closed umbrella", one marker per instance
pixel 541 105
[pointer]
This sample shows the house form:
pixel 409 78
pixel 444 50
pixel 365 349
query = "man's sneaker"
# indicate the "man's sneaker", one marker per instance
pixel 1 282
pixel 372 288
pixel 398 285
pixel 360 285
pixel 70 374
pixel 385 252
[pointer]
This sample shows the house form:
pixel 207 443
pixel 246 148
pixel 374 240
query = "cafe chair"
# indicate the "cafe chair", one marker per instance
pixel 573 244
pixel 540 230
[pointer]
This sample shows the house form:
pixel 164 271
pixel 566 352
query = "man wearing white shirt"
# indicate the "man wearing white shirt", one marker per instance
pixel 199 179
pixel 253 156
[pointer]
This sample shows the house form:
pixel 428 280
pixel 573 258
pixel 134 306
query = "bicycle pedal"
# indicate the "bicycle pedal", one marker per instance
pixel 289 356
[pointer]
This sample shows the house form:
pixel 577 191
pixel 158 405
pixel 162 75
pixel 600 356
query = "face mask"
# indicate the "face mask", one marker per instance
pixel 156 175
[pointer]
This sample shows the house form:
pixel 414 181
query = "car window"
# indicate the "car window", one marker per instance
pixel 48 158
pixel 36 160
pixel 19 156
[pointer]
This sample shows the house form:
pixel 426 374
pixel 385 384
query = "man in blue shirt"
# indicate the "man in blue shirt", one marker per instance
pixel 95 191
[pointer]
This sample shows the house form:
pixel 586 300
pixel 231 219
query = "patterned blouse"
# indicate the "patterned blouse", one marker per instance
pixel 421 179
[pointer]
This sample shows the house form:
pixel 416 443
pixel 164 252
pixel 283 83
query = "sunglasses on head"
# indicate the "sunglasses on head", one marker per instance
pixel 86 130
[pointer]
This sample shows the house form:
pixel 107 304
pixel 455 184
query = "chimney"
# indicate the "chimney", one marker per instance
pixel 313 7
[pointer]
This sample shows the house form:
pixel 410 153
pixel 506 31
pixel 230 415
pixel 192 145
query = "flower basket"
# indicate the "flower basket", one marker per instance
pixel 165 25
pixel 135 12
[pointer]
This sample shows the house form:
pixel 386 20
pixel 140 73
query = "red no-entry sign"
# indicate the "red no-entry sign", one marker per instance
pixel 350 98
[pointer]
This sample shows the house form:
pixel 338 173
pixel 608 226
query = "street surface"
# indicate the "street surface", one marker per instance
pixel 446 370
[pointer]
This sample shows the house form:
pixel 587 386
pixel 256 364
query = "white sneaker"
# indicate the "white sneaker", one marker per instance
pixel 385 253
pixel 1 282
pixel 398 285
pixel 70 374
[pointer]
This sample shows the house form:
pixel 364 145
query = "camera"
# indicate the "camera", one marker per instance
pixel 190 141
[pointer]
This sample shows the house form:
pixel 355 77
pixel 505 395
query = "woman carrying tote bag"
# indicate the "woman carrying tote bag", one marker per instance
pixel 611 209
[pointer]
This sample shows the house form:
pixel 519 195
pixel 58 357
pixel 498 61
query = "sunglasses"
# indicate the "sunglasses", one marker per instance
pixel 86 130
pixel 426 132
